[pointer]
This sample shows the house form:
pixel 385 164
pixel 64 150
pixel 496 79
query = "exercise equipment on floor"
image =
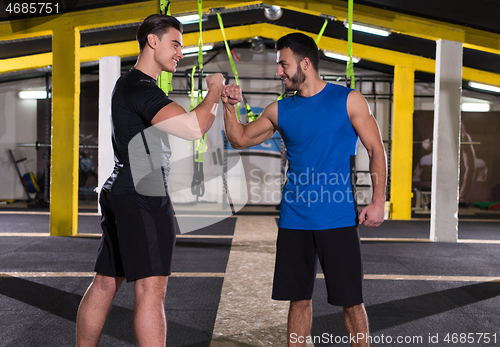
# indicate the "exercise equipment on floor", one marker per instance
pixel 28 180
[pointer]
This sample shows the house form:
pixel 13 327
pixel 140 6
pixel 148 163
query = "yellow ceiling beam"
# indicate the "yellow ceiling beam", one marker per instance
pixel 480 76
pixel 26 35
pixel 122 49
pixel 102 17
pixel 132 13
pixel 187 6
pixel 377 55
pixel 82 20
pixel 28 62
pixel 400 23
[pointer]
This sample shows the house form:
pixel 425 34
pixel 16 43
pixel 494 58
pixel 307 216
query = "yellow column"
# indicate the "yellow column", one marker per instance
pixel 65 131
pixel 402 142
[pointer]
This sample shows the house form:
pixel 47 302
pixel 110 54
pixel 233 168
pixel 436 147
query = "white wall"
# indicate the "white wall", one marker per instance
pixel 17 125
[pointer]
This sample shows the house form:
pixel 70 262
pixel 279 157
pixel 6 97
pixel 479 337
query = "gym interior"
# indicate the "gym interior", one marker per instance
pixel 432 81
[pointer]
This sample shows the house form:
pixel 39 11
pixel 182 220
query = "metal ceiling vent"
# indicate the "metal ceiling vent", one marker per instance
pixel 272 12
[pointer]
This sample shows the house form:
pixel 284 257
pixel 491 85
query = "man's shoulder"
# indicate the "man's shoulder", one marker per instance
pixel 135 77
pixel 337 88
pixel 134 84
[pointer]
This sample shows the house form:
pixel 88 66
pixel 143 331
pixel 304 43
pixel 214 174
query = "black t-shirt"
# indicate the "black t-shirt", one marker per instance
pixel 136 99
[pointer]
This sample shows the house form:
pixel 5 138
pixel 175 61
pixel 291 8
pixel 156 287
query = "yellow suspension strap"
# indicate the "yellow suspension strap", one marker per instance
pixel 321 32
pixel 200 146
pixel 165 79
pixel 350 79
pixel 250 114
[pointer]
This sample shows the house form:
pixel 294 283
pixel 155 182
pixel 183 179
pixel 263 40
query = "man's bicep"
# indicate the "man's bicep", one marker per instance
pixel 258 131
pixel 171 110
pixel 363 121
pixel 263 128
pixel 174 120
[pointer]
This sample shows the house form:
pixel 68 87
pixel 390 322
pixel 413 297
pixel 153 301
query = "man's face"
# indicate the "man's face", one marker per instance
pixel 289 70
pixel 168 52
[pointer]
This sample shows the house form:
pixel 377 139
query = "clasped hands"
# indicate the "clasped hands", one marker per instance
pixel 230 94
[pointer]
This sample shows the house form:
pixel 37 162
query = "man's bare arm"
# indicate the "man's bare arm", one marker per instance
pixel 174 120
pixel 367 128
pixel 254 133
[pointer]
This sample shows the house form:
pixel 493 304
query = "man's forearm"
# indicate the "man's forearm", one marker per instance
pixel 207 109
pixel 378 173
pixel 234 128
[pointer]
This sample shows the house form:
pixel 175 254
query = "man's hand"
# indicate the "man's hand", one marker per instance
pixel 372 215
pixel 231 94
pixel 217 79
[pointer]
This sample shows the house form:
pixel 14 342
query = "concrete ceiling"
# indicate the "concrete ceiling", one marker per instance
pixel 478 14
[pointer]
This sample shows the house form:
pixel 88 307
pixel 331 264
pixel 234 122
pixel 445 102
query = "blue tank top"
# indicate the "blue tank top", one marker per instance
pixel 321 148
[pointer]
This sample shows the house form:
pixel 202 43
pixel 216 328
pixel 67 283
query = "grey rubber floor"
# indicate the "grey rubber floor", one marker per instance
pixel 42 311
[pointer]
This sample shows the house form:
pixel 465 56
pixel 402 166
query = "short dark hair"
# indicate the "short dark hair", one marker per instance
pixel 302 46
pixel 157 24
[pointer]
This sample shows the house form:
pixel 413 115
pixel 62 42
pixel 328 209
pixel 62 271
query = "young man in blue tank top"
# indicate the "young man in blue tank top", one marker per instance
pixel 320 126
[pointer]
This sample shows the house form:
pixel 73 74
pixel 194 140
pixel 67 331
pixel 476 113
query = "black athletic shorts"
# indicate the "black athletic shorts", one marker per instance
pixel 138 236
pixel 339 254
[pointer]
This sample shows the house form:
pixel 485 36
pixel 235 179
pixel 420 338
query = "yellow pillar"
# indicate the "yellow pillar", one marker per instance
pixel 65 131
pixel 402 142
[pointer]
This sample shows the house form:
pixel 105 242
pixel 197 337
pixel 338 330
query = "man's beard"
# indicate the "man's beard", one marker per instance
pixel 296 80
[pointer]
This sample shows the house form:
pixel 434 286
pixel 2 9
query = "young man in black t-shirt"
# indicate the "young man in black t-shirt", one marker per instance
pixel 139 229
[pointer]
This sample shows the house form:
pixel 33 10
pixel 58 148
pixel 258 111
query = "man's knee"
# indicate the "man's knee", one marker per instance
pixel 154 285
pixel 301 304
pixel 354 308
pixel 106 284
pixel 356 312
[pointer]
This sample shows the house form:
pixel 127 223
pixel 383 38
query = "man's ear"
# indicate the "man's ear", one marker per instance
pixel 152 40
pixel 306 63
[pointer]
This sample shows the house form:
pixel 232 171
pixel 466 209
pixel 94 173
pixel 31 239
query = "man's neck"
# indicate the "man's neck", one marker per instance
pixel 311 87
pixel 151 70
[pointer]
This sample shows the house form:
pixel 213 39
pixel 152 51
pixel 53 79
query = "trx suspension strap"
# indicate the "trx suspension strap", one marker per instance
pixel 198 184
pixel 165 79
pixel 251 116
pixel 350 80
pixel 322 30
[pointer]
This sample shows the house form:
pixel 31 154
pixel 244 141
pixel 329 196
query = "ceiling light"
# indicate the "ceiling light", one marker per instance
pixel 482 86
pixel 257 46
pixel 272 12
pixel 193 54
pixel 191 19
pixel 33 94
pixel 475 107
pixel 369 29
pixel 340 56
pixel 193 49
